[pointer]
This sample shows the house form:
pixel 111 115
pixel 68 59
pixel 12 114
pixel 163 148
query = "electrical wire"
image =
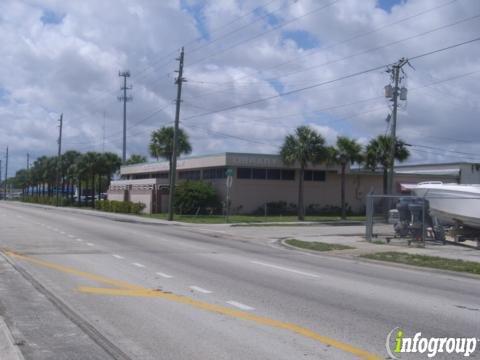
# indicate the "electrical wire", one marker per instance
pixel 294 91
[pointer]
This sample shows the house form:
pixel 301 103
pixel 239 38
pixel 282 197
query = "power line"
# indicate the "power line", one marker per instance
pixel 264 32
pixel 375 48
pixel 329 81
pixel 355 37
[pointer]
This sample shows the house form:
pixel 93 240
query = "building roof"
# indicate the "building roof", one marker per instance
pixel 226 159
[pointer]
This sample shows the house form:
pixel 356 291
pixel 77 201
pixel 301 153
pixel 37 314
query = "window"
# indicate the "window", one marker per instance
pixel 215 173
pixel 259 174
pixel 274 174
pixel 163 175
pixel 189 175
pixel 311 175
pixel 288 174
pixel 244 173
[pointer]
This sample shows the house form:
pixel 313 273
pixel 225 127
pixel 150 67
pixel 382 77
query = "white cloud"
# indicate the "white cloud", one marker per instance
pixel 72 67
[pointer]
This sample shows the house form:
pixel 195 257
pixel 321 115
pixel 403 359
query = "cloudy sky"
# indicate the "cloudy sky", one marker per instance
pixel 255 70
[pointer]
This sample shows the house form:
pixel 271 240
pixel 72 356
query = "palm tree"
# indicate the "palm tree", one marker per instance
pixel 136 159
pixel 347 151
pixel 304 147
pixel 161 144
pixel 109 164
pixel 378 154
pixel 69 159
pixel 88 168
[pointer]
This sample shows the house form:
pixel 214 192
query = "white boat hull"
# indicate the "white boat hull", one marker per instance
pixel 452 203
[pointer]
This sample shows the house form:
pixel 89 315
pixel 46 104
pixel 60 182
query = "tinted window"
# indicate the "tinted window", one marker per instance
pixel 189 175
pixel 288 174
pixel 244 173
pixel 308 175
pixel 319 176
pixel 215 173
pixel 273 174
pixel 259 173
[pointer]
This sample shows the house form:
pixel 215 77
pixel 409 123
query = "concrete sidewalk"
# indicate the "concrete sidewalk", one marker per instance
pixel 8 349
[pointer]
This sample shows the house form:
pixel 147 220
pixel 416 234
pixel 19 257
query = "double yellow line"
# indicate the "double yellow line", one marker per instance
pixel 122 288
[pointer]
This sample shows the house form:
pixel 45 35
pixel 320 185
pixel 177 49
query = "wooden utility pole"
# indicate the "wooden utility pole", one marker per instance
pixel 59 157
pixel 173 171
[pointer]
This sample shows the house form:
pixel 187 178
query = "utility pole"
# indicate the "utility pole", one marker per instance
pixel 28 161
pixel 394 93
pixel 0 174
pixel 6 174
pixel 59 156
pixel 173 171
pixel 124 98
pixel 103 130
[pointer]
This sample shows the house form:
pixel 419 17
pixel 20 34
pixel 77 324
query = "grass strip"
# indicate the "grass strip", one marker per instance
pixel 316 246
pixel 434 262
pixel 250 219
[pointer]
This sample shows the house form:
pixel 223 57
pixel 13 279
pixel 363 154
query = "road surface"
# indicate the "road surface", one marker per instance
pixel 79 286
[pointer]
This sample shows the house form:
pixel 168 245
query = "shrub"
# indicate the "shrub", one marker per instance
pixel 194 197
pixel 277 208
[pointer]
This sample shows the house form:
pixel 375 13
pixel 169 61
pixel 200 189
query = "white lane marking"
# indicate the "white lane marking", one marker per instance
pixel 80 240
pixel 118 256
pixel 138 265
pixel 90 244
pixel 70 236
pixel 285 269
pixel 240 305
pixel 55 229
pixel 166 276
pixel 62 232
pixel 199 289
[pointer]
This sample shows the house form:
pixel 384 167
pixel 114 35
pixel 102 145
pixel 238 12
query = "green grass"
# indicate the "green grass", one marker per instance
pixel 434 262
pixel 249 219
pixel 317 246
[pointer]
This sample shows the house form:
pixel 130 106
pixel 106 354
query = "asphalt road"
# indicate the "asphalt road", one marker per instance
pixel 77 286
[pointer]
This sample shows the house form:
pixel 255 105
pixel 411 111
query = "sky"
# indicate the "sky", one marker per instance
pixel 255 71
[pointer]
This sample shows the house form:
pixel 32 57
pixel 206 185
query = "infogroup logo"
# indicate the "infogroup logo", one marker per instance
pixel 397 343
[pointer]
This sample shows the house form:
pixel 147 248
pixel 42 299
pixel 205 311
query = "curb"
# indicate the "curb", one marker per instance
pixel 359 258
pixel 8 349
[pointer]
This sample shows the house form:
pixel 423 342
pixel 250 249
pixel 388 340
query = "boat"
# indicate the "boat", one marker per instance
pixel 452 204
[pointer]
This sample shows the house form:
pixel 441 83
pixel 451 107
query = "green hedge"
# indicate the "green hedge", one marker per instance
pixel 46 200
pixel 124 207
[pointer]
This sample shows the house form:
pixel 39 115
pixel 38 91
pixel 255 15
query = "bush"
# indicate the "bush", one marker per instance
pixel 316 209
pixel 196 197
pixel 277 208
pixel 124 207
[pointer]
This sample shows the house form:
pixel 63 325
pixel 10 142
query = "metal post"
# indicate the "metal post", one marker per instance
pixel 173 170
pixel 124 98
pixel 369 213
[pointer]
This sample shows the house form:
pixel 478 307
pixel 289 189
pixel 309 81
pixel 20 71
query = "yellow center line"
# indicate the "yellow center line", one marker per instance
pixel 126 289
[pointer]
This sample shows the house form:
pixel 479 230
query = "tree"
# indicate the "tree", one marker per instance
pixel 304 147
pixel 136 159
pixel 378 154
pixel 68 170
pixel 347 151
pixel 195 196
pixel 161 144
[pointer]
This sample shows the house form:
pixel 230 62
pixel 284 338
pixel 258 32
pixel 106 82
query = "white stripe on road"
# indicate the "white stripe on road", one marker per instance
pixel 199 289
pixel 166 276
pixel 240 305
pixel 62 232
pixel 80 240
pixel 285 269
pixel 138 265
pixel 70 236
pixel 118 256
pixel 90 244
